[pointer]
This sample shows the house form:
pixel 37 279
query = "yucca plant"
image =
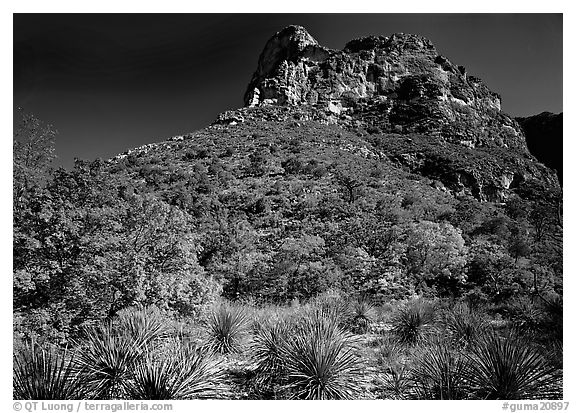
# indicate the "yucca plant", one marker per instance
pixel 320 361
pixel 227 329
pixel 441 373
pixel 414 322
pixel 107 361
pixel 45 374
pixel 182 373
pixel 511 368
pixel 362 315
pixel 464 326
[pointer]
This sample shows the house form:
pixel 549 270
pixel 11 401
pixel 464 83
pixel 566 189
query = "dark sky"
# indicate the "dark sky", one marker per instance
pixel 111 82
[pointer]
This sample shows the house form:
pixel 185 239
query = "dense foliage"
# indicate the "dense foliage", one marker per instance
pixel 270 213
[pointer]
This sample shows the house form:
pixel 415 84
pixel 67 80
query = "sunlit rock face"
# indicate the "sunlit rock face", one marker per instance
pixel 426 113
pixel 396 83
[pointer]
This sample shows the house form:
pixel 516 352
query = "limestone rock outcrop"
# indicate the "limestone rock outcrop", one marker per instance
pixel 395 83
pixel 398 85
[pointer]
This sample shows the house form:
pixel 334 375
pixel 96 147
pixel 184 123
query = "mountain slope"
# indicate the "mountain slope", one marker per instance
pixel 381 170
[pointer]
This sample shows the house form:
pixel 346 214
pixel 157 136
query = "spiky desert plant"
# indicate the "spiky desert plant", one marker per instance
pixel 184 372
pixel 266 351
pixel 464 325
pixel 509 367
pixel 391 356
pixel 107 360
pixel 320 361
pixel 227 329
pixel 331 305
pixel 45 373
pixel 414 321
pixel 441 373
pixel 362 315
pixel 397 383
pixel 143 324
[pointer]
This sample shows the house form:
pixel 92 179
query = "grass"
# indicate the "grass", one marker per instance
pixel 142 324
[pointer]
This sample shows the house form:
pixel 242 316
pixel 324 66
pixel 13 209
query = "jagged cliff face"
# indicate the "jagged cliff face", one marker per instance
pixel 398 83
pixel 544 138
pixel 398 86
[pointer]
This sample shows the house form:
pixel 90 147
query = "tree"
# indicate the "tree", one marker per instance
pixel 33 148
pixel 436 255
pixel 83 253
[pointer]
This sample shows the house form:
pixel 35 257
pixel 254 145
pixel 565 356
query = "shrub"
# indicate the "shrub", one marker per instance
pixel 45 374
pixel 510 368
pixel 227 328
pixel 414 322
pixel 441 373
pixel 182 373
pixel 320 361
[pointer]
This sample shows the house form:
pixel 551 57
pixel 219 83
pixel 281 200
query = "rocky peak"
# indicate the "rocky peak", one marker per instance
pixel 396 83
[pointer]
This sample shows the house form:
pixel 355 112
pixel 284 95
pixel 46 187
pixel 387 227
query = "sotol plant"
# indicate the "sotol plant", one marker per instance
pixel 320 361
pixel 363 314
pixel 465 326
pixel 227 329
pixel 110 352
pixel 414 322
pixel 511 368
pixel 441 373
pixel 45 374
pixel 266 351
pixel 183 372
pixel 107 361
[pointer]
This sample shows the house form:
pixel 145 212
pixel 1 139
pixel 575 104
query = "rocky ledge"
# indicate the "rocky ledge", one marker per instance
pixel 397 83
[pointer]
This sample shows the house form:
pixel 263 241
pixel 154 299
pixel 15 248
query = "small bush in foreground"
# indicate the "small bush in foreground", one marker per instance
pixel 266 351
